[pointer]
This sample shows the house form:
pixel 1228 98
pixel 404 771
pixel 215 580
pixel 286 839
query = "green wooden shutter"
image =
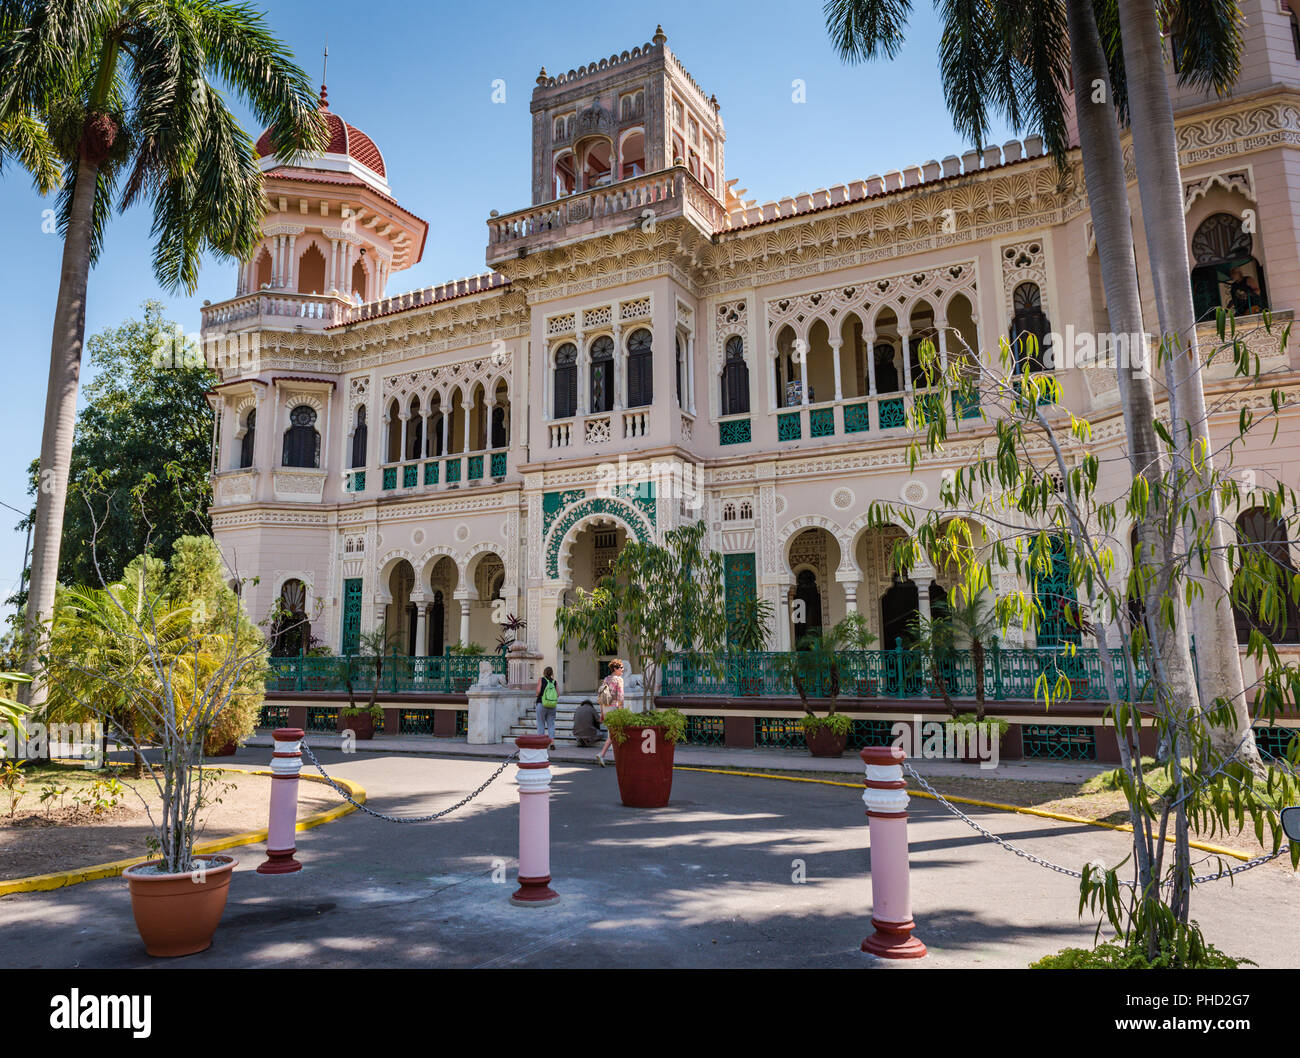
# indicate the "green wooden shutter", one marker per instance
pixel 351 616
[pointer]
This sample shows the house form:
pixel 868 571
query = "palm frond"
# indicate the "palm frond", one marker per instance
pixel 1210 43
pixel 866 29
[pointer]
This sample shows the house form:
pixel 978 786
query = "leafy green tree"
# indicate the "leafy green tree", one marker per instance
pixel 658 600
pixel 816 668
pixel 127 93
pixel 1033 527
pixel 140 458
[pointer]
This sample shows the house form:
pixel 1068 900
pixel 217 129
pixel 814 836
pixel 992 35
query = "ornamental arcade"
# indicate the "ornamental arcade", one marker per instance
pixel 428 462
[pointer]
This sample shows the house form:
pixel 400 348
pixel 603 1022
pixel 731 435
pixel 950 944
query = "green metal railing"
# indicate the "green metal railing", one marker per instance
pixel 1009 673
pixel 440 674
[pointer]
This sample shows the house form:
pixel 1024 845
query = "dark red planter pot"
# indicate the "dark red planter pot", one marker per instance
pixel 645 780
pixel 228 750
pixel 363 725
pixel 825 743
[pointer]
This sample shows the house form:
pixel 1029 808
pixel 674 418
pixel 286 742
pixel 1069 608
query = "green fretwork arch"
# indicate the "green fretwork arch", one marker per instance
pixel 572 516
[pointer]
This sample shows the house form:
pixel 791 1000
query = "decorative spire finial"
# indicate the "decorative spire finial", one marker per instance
pixel 325 64
pixel 660 37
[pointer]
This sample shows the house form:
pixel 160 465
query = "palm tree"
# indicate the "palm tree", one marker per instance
pixel 1210 36
pixel 993 55
pixel 126 92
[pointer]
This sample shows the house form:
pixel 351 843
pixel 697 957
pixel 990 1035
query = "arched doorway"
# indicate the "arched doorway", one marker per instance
pixel 443 626
pixel 399 627
pixel 807 605
pixel 290 629
pixel 899 610
pixel 591 558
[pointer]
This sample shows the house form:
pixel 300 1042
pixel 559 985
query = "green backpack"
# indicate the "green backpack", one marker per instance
pixel 550 696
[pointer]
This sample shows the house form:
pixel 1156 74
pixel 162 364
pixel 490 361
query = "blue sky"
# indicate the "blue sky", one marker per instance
pixel 418 78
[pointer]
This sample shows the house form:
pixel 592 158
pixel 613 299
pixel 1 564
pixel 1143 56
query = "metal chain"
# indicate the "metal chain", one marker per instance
pixel 987 833
pixel 407 819
pixel 1226 873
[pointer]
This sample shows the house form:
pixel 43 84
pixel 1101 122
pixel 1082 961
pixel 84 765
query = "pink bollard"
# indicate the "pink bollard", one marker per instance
pixel 886 800
pixel 534 778
pixel 286 763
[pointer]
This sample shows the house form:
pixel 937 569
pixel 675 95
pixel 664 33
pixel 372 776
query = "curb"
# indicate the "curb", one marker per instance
pixel 1125 828
pixel 59 879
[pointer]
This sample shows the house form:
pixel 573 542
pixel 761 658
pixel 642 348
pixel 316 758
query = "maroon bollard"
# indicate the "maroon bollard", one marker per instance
pixel 534 777
pixel 286 763
pixel 886 799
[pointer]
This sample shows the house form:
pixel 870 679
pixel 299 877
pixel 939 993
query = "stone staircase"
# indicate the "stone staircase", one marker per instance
pixel 527 724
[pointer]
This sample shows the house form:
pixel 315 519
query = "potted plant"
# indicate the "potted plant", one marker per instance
pixel 817 670
pixel 160 658
pixel 372 647
pixel 749 627
pixel 644 745
pixel 361 721
pixel 657 597
pixel 989 731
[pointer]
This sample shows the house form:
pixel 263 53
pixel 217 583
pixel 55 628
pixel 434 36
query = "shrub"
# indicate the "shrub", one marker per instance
pixel 973 718
pixel 837 724
pixel 669 721
pixel 1111 956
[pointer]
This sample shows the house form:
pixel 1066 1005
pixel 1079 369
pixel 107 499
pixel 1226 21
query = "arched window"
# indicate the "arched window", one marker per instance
pixel 633 151
pixel 746 511
pixel 1258 531
pixel 728 512
pixel 500 432
pixel 886 369
pixel 359 438
pixel 434 445
pixel 679 369
pixel 602 374
pixel 414 431
pixel 735 378
pixel 393 453
pixel 566 180
pixel 1029 321
pixel 1226 274
pixel 566 382
pixel 246 442
pixel 311 271
pixel 597 162
pixel 640 369
pixel 301 441
pixel 290 629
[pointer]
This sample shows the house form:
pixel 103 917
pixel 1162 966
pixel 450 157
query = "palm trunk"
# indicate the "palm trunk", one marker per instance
pixel 1155 150
pixel 1103 165
pixel 60 423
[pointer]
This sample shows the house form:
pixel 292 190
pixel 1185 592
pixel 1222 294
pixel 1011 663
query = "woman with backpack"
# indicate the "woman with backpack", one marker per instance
pixel 548 700
pixel 610 697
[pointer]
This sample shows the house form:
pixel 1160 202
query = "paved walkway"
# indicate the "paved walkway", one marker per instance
pixel 705 882
pixel 787 760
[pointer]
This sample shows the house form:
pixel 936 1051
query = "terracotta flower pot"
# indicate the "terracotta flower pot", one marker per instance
pixel 363 724
pixel 823 742
pixel 177 914
pixel 645 779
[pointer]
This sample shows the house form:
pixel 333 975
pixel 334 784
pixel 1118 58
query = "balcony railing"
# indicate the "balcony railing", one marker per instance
pixel 440 471
pixel 858 415
pixel 276 309
pixel 1009 674
pixel 670 193
pixel 438 674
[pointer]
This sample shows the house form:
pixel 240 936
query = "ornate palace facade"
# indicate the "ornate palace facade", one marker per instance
pixel 648 349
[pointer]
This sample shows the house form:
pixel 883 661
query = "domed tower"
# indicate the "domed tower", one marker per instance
pixel 333 228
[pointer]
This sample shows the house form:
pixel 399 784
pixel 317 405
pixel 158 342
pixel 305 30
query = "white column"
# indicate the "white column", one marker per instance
pixel 405 416
pixel 466 409
pixel 923 596
pixel 803 373
pixel 446 427
pixel 421 639
pixel 619 368
pixel 689 368
pixel 783 618
pixel 943 343
pixel 464 621
pixel 850 598
pixel 581 408
pixel 903 340
pixel 835 356
pixel 870 339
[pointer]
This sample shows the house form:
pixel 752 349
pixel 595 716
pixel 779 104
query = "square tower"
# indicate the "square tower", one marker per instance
pixel 622 117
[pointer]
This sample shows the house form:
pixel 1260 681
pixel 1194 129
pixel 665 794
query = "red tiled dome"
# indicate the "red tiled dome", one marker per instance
pixel 344 139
